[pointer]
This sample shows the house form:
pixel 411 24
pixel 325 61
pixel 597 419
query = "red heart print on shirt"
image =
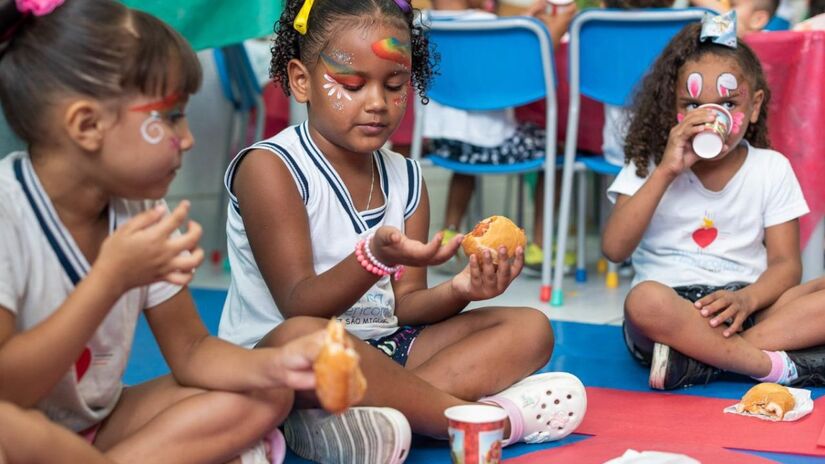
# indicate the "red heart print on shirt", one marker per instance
pixel 83 362
pixel 706 234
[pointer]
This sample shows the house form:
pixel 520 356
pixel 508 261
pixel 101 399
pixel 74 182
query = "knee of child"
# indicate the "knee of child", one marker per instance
pixel 645 302
pixel 258 412
pixel 534 329
pixel 292 328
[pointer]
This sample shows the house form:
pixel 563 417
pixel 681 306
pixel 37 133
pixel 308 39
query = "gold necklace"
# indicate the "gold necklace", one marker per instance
pixel 372 184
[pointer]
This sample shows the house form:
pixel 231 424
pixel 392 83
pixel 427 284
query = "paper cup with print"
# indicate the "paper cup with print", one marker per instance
pixel 476 433
pixel 708 143
pixel 557 6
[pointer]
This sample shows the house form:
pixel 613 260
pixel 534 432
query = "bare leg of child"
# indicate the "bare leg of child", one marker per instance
pixel 458 197
pixel 28 436
pixel 794 322
pixel 658 313
pixel 160 420
pixel 453 362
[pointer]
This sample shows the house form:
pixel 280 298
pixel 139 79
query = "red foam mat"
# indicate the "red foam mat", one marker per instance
pixel 597 450
pixel 673 418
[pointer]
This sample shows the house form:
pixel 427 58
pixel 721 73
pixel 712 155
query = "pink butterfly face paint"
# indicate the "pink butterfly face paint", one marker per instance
pixel 339 77
pixel 726 84
pixel 738 119
pixel 393 49
pixel 152 129
pixel 694 85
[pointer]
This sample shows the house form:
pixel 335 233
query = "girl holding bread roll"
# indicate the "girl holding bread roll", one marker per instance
pixel 326 223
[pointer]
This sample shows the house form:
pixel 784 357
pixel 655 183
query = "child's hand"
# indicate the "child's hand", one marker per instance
pixel 679 154
pixel 484 280
pixel 296 359
pixel 391 247
pixel 144 250
pixel 557 23
pixel 724 305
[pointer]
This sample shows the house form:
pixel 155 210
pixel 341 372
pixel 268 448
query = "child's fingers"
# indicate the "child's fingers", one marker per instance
pixel 723 316
pixel 144 219
pixel 187 262
pixel 714 308
pixel 475 271
pixel 736 325
pixel 179 278
pixel 173 221
pixel 188 240
pixel 503 271
pixel 300 380
pixel 488 269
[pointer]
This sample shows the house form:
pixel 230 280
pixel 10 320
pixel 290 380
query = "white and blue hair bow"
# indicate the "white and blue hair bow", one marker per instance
pixel 719 29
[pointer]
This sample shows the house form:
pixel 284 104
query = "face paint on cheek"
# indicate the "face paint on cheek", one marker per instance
pixel 338 76
pixel 694 85
pixel 680 117
pixel 152 128
pixel 738 119
pixel 393 49
pixel 175 142
pixel 401 100
pixel 725 84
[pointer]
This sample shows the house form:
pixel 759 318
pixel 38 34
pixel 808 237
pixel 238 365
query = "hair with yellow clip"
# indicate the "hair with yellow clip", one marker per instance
pixel 306 27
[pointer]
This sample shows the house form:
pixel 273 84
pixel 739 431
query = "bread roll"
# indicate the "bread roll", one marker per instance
pixel 492 233
pixel 767 399
pixel 339 381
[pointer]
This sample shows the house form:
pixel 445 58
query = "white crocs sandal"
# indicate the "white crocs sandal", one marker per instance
pixel 542 407
pixel 258 453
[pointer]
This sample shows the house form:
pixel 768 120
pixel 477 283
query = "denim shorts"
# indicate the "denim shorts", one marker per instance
pixel 398 344
pixel 691 293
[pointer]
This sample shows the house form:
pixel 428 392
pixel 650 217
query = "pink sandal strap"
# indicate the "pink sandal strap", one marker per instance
pixel 514 413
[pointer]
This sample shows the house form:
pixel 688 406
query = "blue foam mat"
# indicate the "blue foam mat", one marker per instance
pixel 594 353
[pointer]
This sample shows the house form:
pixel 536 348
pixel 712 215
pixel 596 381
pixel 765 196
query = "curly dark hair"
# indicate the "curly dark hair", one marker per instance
pixel 328 17
pixel 654 106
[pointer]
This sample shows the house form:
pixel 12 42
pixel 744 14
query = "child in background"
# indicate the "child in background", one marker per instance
pixel 487 137
pixel 97 92
pixel 715 242
pixel 321 218
pixel 751 15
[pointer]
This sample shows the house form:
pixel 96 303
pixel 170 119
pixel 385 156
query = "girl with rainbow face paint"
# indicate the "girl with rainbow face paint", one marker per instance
pixel 325 220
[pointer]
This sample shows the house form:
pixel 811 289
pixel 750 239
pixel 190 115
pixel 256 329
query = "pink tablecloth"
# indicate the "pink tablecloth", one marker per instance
pixel 794 63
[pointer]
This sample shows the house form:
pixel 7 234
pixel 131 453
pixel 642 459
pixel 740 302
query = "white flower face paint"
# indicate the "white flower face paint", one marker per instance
pixel 152 128
pixel 725 84
pixel 694 85
pixel 334 87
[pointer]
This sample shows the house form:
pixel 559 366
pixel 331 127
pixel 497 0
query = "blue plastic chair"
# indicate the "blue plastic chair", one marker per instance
pixel 608 54
pixel 489 65
pixel 778 24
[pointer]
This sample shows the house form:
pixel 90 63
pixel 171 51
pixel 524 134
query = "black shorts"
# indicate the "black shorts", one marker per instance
pixel 398 344
pixel 691 293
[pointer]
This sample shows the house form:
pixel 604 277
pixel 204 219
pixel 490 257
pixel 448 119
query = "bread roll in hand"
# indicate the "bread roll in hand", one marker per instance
pixel 767 399
pixel 339 381
pixel 491 234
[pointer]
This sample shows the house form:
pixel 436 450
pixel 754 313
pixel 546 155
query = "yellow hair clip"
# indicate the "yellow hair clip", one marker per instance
pixel 300 23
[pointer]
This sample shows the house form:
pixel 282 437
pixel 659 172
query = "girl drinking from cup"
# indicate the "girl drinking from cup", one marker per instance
pixel 714 241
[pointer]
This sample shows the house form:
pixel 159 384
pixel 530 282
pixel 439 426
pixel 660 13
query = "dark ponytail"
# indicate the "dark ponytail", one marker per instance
pixel 93 48
pixel 10 20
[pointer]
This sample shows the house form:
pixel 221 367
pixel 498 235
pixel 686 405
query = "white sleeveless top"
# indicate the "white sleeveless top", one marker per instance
pixel 335 227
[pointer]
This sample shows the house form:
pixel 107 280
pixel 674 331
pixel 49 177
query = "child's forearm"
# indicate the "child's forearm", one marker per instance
pixel 429 305
pixel 631 217
pixel 215 364
pixel 780 275
pixel 33 361
pixel 328 294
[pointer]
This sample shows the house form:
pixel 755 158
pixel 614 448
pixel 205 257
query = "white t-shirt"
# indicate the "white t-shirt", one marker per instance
pixel 335 226
pixel 698 236
pixel 616 119
pixel 40 264
pixel 481 128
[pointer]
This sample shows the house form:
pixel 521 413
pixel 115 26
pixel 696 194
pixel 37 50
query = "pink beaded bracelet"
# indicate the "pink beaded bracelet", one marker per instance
pixel 366 259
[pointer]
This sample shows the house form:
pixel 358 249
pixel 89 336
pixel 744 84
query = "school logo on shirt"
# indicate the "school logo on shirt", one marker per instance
pixel 706 234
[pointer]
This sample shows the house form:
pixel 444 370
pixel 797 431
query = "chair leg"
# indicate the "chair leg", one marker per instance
pixel 581 270
pixel 612 278
pixel 564 228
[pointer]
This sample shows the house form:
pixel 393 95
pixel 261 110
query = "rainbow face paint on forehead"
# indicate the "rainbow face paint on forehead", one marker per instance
pixel 393 49
pixel 339 76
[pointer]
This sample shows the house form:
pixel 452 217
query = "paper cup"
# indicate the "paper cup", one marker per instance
pixel 558 5
pixel 708 143
pixel 476 433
